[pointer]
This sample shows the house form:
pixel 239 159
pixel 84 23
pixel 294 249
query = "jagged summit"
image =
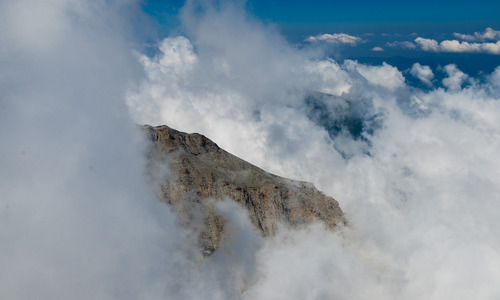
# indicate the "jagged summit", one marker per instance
pixel 200 170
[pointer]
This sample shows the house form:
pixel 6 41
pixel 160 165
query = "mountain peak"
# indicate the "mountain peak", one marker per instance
pixel 200 171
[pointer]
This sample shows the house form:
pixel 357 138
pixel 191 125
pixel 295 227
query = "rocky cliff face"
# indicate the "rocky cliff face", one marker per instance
pixel 200 172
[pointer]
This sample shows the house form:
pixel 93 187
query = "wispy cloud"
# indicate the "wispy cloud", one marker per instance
pixel 403 45
pixel 336 38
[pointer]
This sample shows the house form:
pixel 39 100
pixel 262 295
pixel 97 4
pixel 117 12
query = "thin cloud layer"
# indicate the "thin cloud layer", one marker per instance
pixel 403 45
pixel 336 38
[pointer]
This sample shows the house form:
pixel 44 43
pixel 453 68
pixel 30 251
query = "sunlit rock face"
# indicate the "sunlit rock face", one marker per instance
pixel 200 172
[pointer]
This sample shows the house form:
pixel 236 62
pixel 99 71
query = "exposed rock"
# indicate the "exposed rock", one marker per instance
pixel 200 171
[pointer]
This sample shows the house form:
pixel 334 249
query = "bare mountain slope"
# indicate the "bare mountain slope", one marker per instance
pixel 199 170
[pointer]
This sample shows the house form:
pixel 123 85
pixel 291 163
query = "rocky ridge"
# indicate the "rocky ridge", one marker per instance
pixel 200 172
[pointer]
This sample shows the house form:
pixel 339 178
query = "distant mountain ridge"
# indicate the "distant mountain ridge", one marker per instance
pixel 199 170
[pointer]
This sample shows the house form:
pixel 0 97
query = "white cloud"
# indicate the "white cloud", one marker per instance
pixel 336 38
pixel 427 44
pixel 457 46
pixel 327 76
pixel 377 49
pixel 386 75
pixel 472 44
pixel 178 56
pixel 455 79
pixel 424 73
pixel 488 34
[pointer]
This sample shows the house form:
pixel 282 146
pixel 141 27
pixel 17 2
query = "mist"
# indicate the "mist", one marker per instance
pixel 414 170
pixel 77 218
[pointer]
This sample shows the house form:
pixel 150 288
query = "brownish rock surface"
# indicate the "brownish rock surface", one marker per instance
pixel 199 170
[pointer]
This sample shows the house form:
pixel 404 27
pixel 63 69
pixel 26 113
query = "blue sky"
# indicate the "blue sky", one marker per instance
pixel 378 25
pixel 375 11
pixel 358 14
